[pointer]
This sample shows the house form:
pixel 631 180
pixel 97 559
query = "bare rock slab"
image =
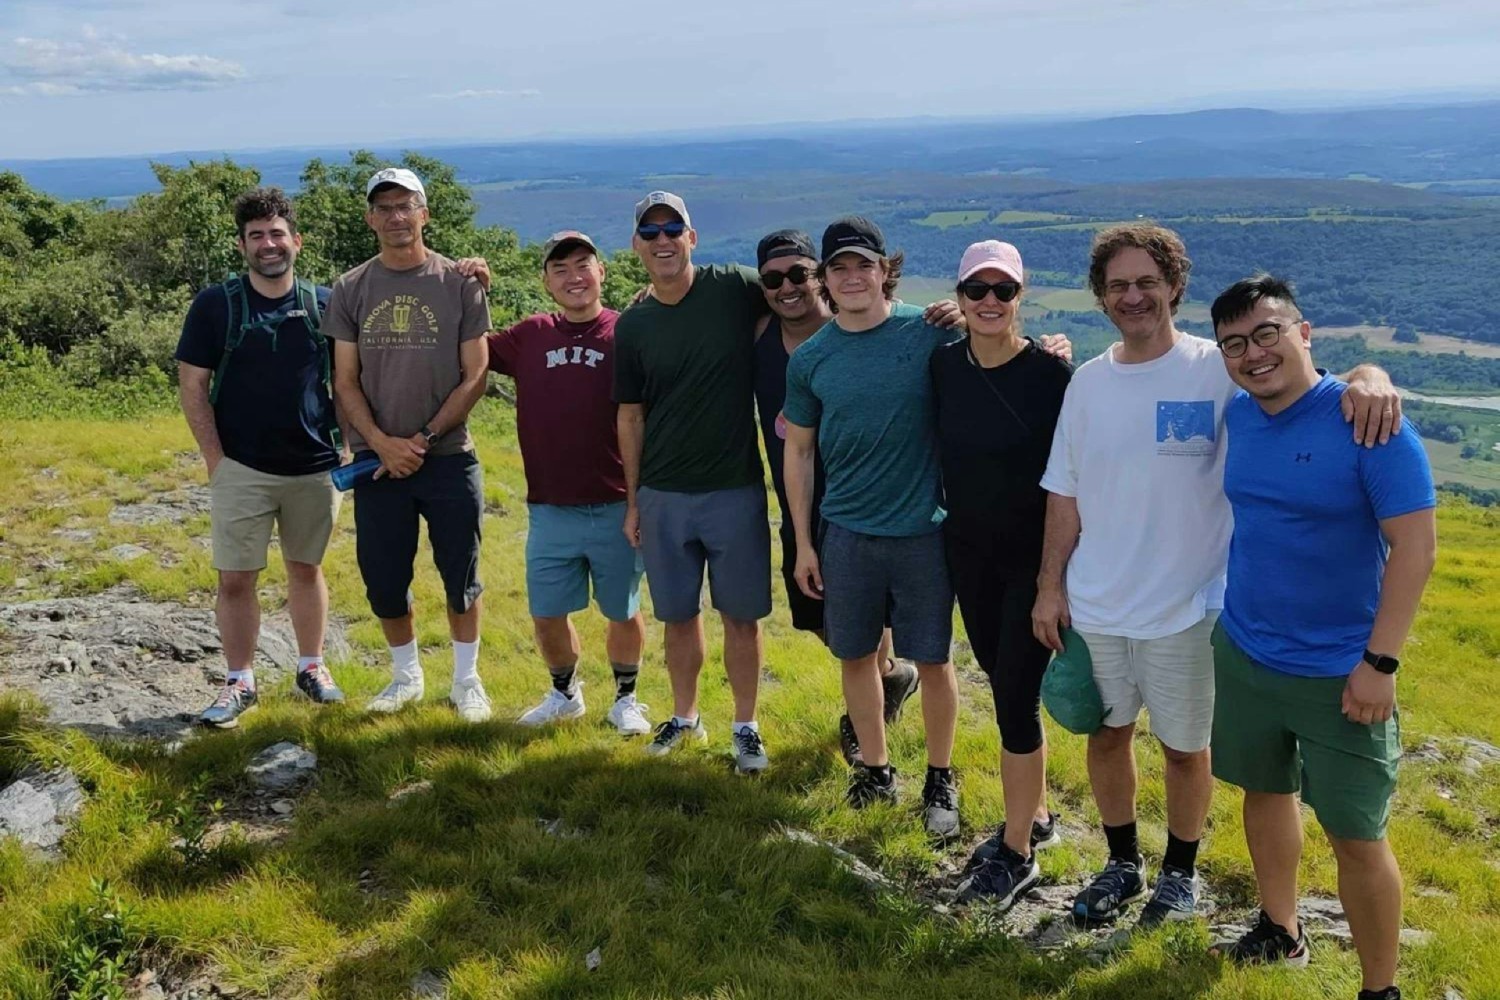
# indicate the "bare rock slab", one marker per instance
pixel 282 767
pixel 37 806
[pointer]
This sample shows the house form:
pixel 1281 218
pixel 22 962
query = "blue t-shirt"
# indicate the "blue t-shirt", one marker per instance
pixel 1307 557
pixel 274 411
pixel 869 396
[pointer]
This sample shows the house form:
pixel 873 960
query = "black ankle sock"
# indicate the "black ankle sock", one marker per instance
pixel 1389 993
pixel 939 772
pixel 881 773
pixel 625 675
pixel 1181 854
pixel 1123 843
pixel 563 682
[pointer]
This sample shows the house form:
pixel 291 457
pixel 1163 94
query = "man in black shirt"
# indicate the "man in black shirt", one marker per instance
pixel 253 376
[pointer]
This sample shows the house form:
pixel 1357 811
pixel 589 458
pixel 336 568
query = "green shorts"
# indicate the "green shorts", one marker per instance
pixel 1267 723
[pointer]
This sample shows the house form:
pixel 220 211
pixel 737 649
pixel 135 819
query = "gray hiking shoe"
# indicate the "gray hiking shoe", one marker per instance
pixel 899 685
pixel 940 804
pixel 672 734
pixel 1110 891
pixel 233 701
pixel 1175 897
pixel 749 751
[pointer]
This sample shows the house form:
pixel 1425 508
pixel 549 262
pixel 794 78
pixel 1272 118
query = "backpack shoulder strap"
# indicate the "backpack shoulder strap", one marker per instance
pixel 237 317
pixel 307 300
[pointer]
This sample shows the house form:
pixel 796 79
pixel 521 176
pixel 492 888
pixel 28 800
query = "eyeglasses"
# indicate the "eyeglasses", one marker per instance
pixel 796 274
pixel 1265 335
pixel 651 230
pixel 1118 288
pixel 975 291
pixel 390 211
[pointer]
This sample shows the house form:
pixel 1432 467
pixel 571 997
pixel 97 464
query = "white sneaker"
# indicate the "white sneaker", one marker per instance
pixel 629 716
pixel 556 707
pixel 399 692
pixel 672 734
pixel 470 701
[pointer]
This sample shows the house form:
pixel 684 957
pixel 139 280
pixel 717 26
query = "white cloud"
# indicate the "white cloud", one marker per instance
pixel 98 64
pixel 459 95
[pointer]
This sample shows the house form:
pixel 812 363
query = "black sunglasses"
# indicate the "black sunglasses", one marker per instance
pixel 796 274
pixel 648 231
pixel 975 291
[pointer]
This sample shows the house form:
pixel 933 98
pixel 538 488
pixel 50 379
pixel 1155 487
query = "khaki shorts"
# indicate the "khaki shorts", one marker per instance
pixel 1172 677
pixel 245 502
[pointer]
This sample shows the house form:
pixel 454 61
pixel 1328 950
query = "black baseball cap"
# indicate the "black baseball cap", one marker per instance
pixel 784 243
pixel 856 234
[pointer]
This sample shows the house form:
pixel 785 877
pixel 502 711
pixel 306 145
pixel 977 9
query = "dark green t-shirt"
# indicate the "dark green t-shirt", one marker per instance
pixel 691 365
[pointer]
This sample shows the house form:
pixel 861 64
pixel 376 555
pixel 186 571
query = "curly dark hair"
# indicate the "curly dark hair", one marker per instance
pixel 1164 246
pixel 263 203
pixel 887 287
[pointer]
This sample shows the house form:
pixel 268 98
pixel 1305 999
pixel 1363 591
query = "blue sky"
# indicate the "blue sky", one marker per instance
pixel 103 77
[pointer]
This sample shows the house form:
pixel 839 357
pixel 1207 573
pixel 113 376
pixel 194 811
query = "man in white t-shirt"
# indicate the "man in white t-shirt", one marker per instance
pixel 1137 541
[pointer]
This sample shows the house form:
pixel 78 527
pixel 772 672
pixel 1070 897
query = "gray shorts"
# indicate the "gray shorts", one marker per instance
pixel 869 580
pixel 1171 677
pixel 725 530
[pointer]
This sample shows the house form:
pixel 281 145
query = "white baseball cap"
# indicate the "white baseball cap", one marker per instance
pixel 399 176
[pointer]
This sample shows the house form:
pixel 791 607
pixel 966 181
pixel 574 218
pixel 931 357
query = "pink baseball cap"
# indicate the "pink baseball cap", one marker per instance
pixel 991 253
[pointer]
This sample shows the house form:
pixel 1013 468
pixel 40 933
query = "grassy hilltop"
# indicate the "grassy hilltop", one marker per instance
pixel 527 851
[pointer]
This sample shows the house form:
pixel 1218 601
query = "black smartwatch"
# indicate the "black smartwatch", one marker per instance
pixel 1385 664
pixel 429 435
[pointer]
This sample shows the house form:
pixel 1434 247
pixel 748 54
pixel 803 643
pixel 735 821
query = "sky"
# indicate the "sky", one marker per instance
pixel 117 77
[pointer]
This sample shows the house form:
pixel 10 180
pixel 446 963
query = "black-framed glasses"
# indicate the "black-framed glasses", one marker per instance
pixel 975 291
pixel 1265 335
pixel 796 274
pixel 649 231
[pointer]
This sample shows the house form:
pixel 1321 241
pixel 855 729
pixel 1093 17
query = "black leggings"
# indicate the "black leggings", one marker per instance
pixel 996 609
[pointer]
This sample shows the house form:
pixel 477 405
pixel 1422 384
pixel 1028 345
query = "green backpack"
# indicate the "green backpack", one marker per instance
pixel 1068 688
pixel 239 324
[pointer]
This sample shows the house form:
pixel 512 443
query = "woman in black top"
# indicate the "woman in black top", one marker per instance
pixel 998 397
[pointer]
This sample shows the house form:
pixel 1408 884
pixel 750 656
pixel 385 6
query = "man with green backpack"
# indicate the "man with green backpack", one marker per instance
pixel 255 384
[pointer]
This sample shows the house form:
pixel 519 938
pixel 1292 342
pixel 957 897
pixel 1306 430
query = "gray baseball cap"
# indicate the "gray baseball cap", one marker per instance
pixel 567 239
pixel 666 198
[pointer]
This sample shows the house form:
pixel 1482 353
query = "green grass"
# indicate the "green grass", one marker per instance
pixel 961 217
pixel 1015 217
pixel 673 869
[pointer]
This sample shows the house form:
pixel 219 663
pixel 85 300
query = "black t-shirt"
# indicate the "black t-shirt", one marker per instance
pixel 770 396
pixel 274 413
pixel 994 435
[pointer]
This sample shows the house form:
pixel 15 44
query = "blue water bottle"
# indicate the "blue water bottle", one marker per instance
pixel 346 477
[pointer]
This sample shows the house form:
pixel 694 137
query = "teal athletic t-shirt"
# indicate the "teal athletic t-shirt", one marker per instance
pixel 869 396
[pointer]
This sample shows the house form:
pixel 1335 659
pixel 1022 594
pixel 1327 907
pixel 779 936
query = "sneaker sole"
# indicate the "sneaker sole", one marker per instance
pixel 538 724
pixel 228 724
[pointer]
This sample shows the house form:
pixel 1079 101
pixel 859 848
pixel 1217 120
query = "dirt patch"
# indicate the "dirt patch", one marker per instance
pixel 120 664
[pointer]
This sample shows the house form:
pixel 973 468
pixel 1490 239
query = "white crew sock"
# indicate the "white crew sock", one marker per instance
pixel 689 723
pixel 306 663
pixel 245 677
pixel 404 662
pixel 752 725
pixel 465 662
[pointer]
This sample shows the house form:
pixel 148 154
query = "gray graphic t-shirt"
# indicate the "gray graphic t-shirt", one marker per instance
pixel 408 325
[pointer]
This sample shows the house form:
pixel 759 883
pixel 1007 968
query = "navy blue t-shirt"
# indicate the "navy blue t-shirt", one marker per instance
pixel 1307 557
pixel 770 395
pixel 274 413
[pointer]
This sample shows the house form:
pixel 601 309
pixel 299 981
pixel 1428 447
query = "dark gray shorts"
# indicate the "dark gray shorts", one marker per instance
pixel 869 580
pixel 724 530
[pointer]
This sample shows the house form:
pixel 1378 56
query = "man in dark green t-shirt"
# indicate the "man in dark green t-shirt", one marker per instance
pixel 695 497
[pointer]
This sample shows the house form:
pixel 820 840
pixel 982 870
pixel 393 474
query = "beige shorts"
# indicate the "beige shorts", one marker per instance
pixel 1172 677
pixel 246 502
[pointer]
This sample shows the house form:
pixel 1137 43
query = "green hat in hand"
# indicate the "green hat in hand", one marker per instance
pixel 1068 688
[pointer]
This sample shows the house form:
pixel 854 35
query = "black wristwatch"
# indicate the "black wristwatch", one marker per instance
pixel 1385 664
pixel 429 434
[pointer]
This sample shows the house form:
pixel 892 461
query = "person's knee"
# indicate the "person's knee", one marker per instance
pixel 1112 739
pixel 1185 758
pixel 740 627
pixel 308 574
pixel 237 585
pixel 1021 739
pixel 550 627
pixel 1362 854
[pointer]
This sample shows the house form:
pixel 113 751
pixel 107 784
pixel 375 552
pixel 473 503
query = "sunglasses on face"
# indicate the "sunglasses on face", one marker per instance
pixel 975 291
pixel 796 274
pixel 650 230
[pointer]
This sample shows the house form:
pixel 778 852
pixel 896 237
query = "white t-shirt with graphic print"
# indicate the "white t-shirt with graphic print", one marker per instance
pixel 1141 447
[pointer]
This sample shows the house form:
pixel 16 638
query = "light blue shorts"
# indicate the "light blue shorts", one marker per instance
pixel 565 546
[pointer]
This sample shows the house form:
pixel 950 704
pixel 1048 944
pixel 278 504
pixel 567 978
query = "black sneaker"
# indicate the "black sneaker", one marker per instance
pixel 318 685
pixel 1003 878
pixel 940 804
pixel 899 685
pixel 1175 897
pixel 849 742
pixel 1268 943
pixel 1389 993
pixel 1113 889
pixel 865 788
pixel 1043 835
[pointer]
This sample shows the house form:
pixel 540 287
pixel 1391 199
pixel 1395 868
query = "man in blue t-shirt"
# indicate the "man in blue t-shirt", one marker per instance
pixel 253 379
pixel 1332 546
pixel 858 392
